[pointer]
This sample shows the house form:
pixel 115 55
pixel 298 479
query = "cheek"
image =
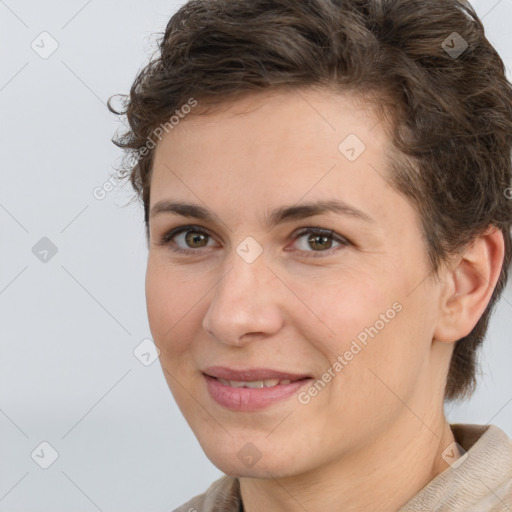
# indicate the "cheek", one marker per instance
pixel 157 300
pixel 386 358
pixel 170 303
pixel 349 306
pixel 375 328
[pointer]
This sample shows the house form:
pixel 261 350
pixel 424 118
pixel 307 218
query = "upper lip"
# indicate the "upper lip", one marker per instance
pixel 251 374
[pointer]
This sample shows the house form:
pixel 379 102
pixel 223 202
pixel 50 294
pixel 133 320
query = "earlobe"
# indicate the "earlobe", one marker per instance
pixel 469 286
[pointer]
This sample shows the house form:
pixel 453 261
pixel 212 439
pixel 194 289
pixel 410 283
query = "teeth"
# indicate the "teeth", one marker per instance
pixel 253 384
pixel 267 383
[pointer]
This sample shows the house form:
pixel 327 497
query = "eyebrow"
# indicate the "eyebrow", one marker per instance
pixel 275 217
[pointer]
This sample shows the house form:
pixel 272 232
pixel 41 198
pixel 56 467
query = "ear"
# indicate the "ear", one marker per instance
pixel 470 283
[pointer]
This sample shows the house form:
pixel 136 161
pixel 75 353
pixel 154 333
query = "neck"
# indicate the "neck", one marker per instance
pixel 382 476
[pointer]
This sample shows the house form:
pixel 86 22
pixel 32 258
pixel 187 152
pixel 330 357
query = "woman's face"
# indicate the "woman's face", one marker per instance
pixel 355 310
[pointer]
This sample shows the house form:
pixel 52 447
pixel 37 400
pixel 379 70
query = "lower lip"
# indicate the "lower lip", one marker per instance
pixel 250 399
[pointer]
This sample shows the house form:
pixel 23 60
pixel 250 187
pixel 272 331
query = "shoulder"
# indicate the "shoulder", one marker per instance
pixel 222 495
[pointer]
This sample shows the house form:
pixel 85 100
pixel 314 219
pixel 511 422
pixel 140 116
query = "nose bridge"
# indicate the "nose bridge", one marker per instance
pixel 245 270
pixel 243 298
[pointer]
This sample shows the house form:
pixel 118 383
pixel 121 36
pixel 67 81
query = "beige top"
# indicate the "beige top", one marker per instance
pixel 480 483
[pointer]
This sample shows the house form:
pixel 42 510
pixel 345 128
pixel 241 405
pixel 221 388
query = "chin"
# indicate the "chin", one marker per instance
pixel 245 460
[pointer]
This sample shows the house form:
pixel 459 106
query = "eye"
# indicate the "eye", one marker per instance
pixel 193 237
pixel 321 240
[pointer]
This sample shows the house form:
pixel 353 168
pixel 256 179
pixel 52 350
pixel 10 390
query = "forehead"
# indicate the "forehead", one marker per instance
pixel 276 148
pixel 287 120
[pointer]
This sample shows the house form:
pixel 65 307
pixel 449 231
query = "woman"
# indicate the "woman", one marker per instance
pixel 325 187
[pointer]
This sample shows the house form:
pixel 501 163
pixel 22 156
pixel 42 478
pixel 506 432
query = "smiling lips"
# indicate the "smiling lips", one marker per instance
pixel 251 389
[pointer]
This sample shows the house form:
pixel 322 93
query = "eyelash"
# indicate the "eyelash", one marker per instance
pixel 167 239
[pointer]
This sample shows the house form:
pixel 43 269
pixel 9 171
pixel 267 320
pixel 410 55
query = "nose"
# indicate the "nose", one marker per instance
pixel 247 302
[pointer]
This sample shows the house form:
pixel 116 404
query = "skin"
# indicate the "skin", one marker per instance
pixel 374 436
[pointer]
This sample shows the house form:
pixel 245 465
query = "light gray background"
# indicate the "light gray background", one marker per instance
pixel 68 375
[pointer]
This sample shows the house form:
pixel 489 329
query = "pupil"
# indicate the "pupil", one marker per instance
pixel 191 239
pixel 319 237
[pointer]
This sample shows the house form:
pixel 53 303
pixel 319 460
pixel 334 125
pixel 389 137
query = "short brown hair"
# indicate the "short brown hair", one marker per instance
pixel 451 104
